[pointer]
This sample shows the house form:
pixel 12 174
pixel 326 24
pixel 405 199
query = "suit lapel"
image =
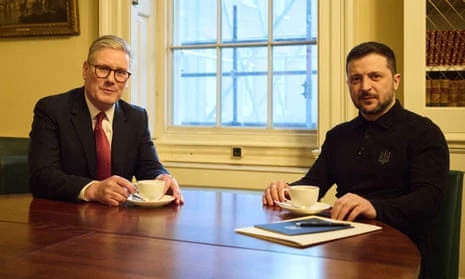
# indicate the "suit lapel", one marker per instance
pixel 80 117
pixel 120 141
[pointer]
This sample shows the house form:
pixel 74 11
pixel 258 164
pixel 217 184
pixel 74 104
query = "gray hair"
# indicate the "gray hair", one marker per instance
pixel 108 41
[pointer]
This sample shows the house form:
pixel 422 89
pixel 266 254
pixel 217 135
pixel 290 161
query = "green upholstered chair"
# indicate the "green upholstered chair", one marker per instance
pixel 446 245
pixel 14 173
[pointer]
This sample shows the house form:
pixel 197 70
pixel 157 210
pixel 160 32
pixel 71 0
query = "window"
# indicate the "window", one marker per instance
pixel 246 73
pixel 248 64
pixel 267 151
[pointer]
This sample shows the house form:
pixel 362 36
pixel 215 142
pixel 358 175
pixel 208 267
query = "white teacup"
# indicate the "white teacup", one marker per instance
pixel 151 190
pixel 302 195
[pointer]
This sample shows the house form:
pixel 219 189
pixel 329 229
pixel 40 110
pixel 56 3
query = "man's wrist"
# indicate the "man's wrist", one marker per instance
pixel 82 194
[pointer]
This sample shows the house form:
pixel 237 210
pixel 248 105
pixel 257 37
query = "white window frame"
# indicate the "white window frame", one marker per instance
pixel 288 148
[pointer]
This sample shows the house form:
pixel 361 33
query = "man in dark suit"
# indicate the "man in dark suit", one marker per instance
pixel 63 161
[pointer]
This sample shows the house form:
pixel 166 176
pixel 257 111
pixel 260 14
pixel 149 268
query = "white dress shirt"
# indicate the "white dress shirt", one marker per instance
pixel 107 125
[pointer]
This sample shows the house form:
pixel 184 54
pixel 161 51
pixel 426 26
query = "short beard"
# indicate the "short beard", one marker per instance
pixel 380 108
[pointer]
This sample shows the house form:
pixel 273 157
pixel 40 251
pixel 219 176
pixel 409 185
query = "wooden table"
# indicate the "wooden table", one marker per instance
pixel 51 239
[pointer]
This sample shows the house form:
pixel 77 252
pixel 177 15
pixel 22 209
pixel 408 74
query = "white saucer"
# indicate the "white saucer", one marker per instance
pixel 314 209
pixel 166 199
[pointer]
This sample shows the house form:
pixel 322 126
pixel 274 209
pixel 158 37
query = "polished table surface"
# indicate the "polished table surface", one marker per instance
pixel 51 239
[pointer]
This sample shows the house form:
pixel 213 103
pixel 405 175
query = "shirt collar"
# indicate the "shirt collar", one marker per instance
pixel 94 111
pixel 391 117
pixel 386 121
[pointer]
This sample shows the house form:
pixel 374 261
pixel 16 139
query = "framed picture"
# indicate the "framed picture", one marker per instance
pixel 21 18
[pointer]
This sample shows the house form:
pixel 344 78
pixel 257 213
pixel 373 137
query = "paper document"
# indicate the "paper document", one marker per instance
pixel 281 232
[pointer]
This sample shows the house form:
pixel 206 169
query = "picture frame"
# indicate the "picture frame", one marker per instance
pixel 25 18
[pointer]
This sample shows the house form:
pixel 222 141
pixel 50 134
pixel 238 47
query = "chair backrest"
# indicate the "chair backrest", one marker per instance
pixel 446 246
pixel 13 146
pixel 14 173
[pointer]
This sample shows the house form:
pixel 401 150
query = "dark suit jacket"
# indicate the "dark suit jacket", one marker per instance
pixel 62 149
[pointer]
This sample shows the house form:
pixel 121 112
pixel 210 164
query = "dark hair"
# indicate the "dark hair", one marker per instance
pixel 366 48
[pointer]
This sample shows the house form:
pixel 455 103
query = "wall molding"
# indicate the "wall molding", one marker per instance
pixel 115 18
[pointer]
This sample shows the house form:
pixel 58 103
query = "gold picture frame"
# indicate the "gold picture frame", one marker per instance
pixel 24 18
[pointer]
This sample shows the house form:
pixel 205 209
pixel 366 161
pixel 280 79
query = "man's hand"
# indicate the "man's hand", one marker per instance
pixel 350 206
pixel 274 192
pixel 172 185
pixel 112 191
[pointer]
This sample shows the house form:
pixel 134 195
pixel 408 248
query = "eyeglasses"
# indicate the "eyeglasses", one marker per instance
pixel 103 71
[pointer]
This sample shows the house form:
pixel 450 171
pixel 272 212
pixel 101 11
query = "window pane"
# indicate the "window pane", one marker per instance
pixel 245 97
pixel 295 20
pixel 295 86
pixel 244 20
pixel 194 21
pixel 194 87
pixel 244 87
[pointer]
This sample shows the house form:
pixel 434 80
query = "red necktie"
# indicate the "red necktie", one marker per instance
pixel 102 149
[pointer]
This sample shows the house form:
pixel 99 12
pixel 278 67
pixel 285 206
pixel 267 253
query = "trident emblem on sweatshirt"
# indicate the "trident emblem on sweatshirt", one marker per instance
pixel 384 157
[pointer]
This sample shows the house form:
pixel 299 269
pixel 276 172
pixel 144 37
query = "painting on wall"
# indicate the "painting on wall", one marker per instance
pixel 21 18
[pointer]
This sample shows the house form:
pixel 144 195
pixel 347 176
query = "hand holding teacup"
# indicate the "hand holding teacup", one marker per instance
pixel 164 184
